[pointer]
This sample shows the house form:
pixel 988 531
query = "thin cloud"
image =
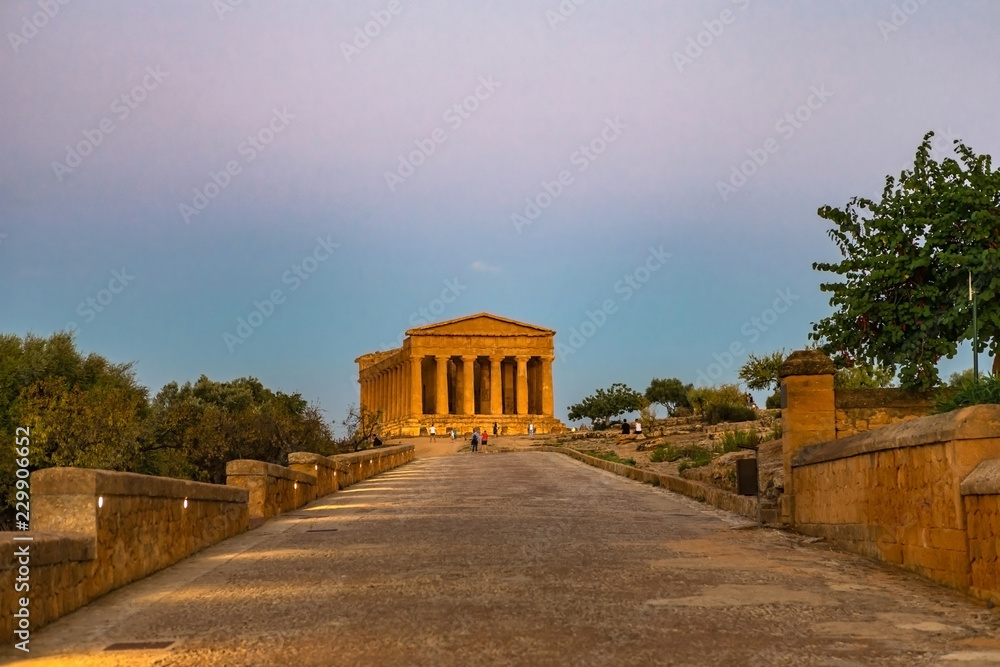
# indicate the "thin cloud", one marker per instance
pixel 483 267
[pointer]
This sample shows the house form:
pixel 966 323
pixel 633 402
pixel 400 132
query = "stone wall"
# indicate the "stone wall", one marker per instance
pixel 896 493
pixel 272 489
pixel 94 531
pixel 275 489
pixel 705 493
pixel 981 495
pixel 860 410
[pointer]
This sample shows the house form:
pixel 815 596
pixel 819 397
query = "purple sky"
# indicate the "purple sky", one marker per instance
pixel 282 129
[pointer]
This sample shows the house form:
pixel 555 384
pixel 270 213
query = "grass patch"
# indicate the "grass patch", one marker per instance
pixel 697 457
pixel 734 440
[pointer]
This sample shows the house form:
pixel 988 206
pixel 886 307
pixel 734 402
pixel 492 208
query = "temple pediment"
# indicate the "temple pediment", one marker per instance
pixel 483 324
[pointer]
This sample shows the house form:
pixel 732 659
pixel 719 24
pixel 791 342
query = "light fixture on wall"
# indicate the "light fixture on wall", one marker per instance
pixel 296 485
pixel 185 503
pixel 100 501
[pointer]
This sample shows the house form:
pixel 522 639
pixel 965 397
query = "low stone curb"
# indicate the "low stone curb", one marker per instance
pixel 731 502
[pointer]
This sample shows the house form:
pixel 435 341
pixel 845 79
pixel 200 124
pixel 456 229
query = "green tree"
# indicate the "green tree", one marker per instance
pixel 361 425
pixel 81 411
pixel 607 404
pixel 903 301
pixel 860 375
pixel 761 373
pixel 670 393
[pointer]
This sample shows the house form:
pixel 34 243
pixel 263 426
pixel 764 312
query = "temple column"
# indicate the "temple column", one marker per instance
pixel 548 399
pixel 416 385
pixel 522 384
pixel 394 392
pixel 496 387
pixel 441 400
pixel 468 386
pixel 388 394
pixel 398 394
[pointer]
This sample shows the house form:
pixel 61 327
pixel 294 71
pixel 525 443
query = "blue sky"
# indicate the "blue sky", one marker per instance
pixel 279 123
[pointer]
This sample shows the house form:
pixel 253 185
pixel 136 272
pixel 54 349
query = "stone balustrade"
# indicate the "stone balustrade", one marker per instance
pixel 93 531
pixel 981 496
pixel 272 489
pixel 921 493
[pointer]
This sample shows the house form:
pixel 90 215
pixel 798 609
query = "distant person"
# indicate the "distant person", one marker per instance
pixel 496 429
pixel 638 427
pixel 485 438
pixel 433 433
pixel 454 435
pixel 624 427
pixel 531 430
pixel 377 442
pixel 475 440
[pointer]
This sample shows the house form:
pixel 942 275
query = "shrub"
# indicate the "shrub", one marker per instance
pixel 969 392
pixel 697 458
pixel 733 440
pixel 717 413
pixel 660 454
pixel 773 401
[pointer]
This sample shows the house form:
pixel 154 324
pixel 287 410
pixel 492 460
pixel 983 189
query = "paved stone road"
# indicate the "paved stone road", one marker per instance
pixel 523 559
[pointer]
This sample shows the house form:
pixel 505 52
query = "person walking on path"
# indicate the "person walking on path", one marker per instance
pixel 433 432
pixel 496 429
pixel 453 435
pixel 531 430
pixel 485 439
pixel 475 440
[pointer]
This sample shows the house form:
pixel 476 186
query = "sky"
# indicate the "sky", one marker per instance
pixel 274 189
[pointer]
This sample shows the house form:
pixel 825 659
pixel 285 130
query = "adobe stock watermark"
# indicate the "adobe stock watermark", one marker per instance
pixel 899 16
pixel 627 287
pixel 581 159
pixel 294 277
pixel 455 116
pixel 92 306
pixel 752 330
pixel 432 311
pixel 30 25
pixel 254 145
pixel 713 29
pixel 786 127
pixel 562 13
pixel 122 107
pixel 363 35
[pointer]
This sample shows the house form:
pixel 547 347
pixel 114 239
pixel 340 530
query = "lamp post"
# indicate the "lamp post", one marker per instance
pixel 975 332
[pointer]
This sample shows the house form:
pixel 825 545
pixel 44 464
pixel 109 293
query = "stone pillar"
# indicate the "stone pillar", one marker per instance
pixel 522 385
pixel 808 412
pixel 397 391
pixel 548 397
pixel 468 385
pixel 390 382
pixel 496 387
pixel 441 400
pixel 416 387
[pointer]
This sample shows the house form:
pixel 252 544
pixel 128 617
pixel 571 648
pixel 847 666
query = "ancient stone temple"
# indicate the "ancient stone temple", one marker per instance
pixel 464 373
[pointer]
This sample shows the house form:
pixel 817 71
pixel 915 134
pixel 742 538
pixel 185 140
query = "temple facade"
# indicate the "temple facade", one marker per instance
pixel 464 373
